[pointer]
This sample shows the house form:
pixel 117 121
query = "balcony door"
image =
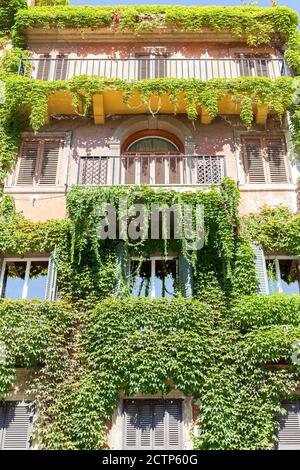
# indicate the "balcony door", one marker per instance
pixel 151 65
pixel 150 158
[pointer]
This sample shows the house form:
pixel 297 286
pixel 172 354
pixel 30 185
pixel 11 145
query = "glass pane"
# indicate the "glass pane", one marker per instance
pixel 14 278
pixel 289 275
pixel 140 278
pixel 37 280
pixel 152 144
pixel 165 278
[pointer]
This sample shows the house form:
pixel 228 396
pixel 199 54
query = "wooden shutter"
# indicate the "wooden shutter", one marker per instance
pixel 48 172
pixel 152 424
pixel 261 269
pixel 174 421
pixel 131 425
pixel 277 160
pixel 51 279
pixel 28 163
pixel 161 66
pixel 43 68
pixel 185 275
pixel 289 432
pixel 254 164
pixel 144 66
pixel 17 426
pixel 61 66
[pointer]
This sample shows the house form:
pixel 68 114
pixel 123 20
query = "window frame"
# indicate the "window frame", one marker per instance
pixel 153 260
pixel 28 261
pixel 278 279
pixel 39 161
pixel 264 155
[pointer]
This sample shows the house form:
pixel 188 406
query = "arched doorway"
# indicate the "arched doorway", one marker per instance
pixel 152 157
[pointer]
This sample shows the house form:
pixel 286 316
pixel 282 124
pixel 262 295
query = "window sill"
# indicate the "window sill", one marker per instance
pixel 268 187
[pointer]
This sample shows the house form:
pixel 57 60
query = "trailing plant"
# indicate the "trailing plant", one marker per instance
pixel 258 25
pixel 8 9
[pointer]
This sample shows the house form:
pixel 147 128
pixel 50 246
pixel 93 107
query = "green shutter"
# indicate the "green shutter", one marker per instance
pixel 185 276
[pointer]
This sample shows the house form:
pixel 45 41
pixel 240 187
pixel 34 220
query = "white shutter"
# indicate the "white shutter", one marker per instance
pixel 17 426
pixel 174 424
pixel 130 425
pixel 261 269
pixel 51 278
pixel 289 432
pixel 185 275
pixel 28 163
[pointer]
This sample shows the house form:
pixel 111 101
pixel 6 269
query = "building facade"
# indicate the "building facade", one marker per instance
pixel 139 140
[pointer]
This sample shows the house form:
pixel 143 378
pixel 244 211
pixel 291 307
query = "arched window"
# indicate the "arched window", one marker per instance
pixel 152 157
pixel 152 144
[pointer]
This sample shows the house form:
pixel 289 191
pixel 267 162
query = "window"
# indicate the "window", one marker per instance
pixel 49 68
pixel 153 278
pixel 289 432
pixel 152 424
pixel 265 160
pixel 151 65
pixel 256 65
pixel 38 162
pixel 15 425
pixel 26 278
pixel 283 275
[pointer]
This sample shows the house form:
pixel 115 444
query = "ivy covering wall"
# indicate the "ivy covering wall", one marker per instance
pixel 225 346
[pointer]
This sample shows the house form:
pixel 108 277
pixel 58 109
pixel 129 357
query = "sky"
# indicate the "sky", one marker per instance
pixel 263 3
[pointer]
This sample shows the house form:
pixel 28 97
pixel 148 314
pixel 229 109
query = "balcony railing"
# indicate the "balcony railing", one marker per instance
pixel 137 69
pixel 156 170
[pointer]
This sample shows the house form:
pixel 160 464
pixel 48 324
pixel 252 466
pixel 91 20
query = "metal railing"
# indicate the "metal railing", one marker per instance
pixel 156 170
pixel 137 69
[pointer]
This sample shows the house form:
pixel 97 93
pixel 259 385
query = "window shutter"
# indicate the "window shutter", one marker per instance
pixel 174 424
pixel 51 279
pixel 121 255
pixel 289 432
pixel 159 431
pixel 254 161
pixel 261 269
pixel 145 426
pixel 17 426
pixel 43 69
pixel 2 410
pixel 185 276
pixel 28 161
pixel 131 425
pixel 276 156
pixel 49 163
pixel 61 66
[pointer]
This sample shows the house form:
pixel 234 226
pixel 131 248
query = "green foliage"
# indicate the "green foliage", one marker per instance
pixel 275 228
pixel 8 9
pixel 47 3
pixel 258 24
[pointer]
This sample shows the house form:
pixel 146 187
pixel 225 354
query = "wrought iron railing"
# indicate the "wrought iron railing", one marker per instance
pixel 136 69
pixel 156 170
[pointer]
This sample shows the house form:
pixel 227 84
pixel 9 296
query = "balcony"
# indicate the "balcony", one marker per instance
pixel 63 68
pixel 156 170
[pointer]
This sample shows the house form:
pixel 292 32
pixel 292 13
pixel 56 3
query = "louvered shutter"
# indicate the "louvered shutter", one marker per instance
pixel 43 68
pixel 48 173
pixel 145 415
pixel 130 425
pixel 289 432
pixel 61 66
pixel 144 66
pixel 28 163
pixel 17 426
pixel 159 425
pixel 277 160
pixel 254 161
pixel 51 279
pixel 174 424
pixel 261 269
pixel 2 410
pixel 185 275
